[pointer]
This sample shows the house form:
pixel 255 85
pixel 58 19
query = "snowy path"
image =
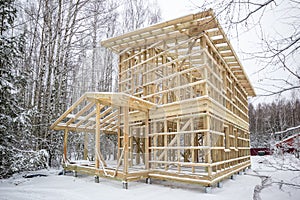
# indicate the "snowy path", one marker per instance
pixel 83 187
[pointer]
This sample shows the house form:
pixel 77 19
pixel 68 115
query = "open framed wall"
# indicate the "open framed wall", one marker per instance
pixel 181 112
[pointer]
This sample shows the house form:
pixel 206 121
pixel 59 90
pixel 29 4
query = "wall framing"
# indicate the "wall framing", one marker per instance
pixel 181 112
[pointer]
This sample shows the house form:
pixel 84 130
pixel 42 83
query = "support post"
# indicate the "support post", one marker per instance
pixel 126 138
pixel 208 143
pixel 166 142
pixel 193 144
pixel 203 46
pixel 97 136
pixel 86 143
pixel 178 143
pixel 155 143
pixel 119 134
pixel 96 179
pixel 65 144
pixel 147 140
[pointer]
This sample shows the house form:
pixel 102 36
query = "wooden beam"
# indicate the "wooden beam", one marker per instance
pixel 125 109
pixel 207 142
pixel 66 145
pixel 87 117
pixel 86 145
pixel 178 144
pixel 219 41
pixel 68 111
pixel 159 54
pixel 147 151
pixel 83 110
pixel 97 136
pixel 156 29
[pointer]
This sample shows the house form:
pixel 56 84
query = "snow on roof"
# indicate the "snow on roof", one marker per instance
pixel 288 138
pixel 287 130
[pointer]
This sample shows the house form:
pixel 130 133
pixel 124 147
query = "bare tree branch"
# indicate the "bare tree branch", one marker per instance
pixel 260 6
pixel 271 93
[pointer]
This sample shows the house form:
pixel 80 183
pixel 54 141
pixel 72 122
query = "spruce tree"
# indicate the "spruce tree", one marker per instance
pixel 13 117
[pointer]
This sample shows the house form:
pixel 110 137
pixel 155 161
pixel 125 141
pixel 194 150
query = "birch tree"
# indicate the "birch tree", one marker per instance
pixel 60 53
pixel 50 58
pixel 268 118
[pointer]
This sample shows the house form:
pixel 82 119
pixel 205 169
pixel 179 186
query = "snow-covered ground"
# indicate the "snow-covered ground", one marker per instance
pixel 271 177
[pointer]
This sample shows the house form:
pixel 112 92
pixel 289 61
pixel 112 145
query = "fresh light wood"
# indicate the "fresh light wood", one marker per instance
pixel 181 112
pixel 66 145
pixel 97 137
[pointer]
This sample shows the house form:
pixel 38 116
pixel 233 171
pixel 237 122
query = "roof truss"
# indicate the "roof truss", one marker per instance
pixel 184 29
pixel 81 116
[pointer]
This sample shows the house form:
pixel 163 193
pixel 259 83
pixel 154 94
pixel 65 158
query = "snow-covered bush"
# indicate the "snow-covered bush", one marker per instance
pixel 23 161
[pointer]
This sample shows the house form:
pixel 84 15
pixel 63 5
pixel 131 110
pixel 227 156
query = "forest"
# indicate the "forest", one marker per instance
pixel 268 118
pixel 50 55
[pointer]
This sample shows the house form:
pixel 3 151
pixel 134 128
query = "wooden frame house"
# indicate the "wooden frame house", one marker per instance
pixel 181 112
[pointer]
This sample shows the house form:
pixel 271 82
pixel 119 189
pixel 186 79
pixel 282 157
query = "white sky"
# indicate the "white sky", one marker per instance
pixel 246 42
pixel 174 8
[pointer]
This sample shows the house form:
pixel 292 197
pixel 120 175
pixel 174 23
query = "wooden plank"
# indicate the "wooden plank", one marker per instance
pixel 213 33
pixel 140 52
pixel 227 54
pixel 180 164
pixel 153 28
pixel 230 59
pixel 179 132
pixel 73 128
pixel 87 117
pixel 223 48
pixel 82 111
pixel 173 75
pixel 168 147
pixel 82 98
pixel 167 90
pixel 182 178
pixel 158 55
pixel 219 41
